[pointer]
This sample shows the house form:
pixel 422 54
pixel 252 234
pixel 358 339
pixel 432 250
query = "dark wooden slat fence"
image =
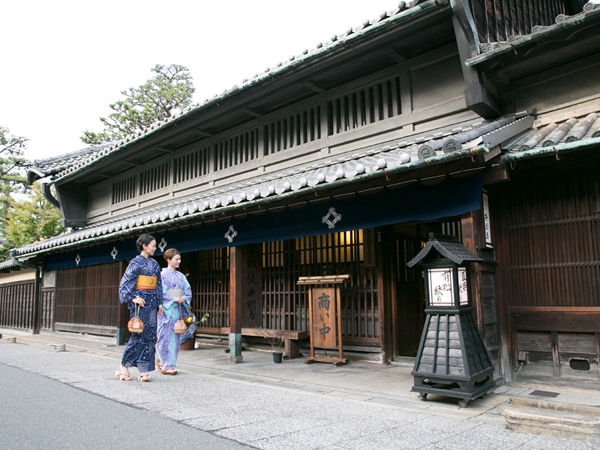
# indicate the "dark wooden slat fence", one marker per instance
pixel 16 305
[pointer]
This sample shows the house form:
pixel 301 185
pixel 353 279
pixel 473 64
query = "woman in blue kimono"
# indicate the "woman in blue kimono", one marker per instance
pixel 177 294
pixel 141 288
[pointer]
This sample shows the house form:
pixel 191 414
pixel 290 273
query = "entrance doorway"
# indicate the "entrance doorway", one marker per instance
pixel 409 316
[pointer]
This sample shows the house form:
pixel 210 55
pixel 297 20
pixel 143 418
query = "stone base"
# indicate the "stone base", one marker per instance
pixel 56 348
pixel 236 359
pixel 555 420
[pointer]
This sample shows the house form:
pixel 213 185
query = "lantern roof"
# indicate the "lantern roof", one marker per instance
pixel 447 246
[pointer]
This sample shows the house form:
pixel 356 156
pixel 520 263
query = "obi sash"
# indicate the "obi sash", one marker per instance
pixel 145 283
pixel 175 293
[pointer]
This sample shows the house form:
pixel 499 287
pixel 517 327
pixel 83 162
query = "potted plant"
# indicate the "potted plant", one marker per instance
pixel 276 342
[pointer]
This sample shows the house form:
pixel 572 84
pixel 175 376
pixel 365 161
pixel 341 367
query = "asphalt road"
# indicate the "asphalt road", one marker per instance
pixel 38 412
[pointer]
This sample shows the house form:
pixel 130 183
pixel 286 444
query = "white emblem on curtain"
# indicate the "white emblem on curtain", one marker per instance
pixel 77 259
pixel 162 245
pixel 231 234
pixel 114 252
pixel 331 218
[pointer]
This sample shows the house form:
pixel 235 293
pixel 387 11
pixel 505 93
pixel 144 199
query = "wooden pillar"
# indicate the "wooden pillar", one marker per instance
pixel 470 239
pixel 555 353
pixel 387 291
pixel 245 294
pixel 598 351
pixel 235 304
pixel 122 315
pixel 37 290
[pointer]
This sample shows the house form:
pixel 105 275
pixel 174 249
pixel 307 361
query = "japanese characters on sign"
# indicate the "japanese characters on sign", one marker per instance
pixel 252 311
pixel 324 332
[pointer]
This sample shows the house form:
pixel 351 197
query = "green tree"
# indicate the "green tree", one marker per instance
pixel 12 166
pixel 170 88
pixel 31 220
pixel 12 178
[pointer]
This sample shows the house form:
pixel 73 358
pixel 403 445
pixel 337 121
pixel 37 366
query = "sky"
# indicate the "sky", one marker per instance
pixel 64 61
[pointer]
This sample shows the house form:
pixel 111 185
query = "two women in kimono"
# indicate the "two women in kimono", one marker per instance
pixel 154 297
pixel 177 294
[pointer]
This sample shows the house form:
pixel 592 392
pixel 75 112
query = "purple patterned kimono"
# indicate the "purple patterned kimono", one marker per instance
pixel 139 351
pixel 167 346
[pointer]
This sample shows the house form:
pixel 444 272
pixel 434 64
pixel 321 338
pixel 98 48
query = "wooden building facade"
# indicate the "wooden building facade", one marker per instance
pixel 449 117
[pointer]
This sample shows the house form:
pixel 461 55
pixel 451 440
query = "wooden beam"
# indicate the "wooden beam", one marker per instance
pixel 396 55
pixel 252 112
pixel 566 320
pixel 202 132
pixel 314 86
pixel 497 174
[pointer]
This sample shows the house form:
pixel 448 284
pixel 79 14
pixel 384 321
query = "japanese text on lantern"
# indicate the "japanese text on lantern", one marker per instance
pixel 324 318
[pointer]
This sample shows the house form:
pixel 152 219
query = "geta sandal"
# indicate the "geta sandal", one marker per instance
pixel 122 376
pixel 143 377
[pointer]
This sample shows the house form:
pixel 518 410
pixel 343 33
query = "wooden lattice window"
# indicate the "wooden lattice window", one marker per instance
pixel 211 289
pixel 553 224
pixel 156 178
pixel 236 150
pixel 123 190
pixel 497 20
pixel 285 305
pixel 292 131
pixel 88 295
pixel 371 104
pixel 192 165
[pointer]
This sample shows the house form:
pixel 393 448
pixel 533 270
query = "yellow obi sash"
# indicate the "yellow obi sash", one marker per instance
pixel 145 283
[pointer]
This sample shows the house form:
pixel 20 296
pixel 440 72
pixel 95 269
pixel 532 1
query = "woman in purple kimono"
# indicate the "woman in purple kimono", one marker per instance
pixel 141 288
pixel 177 294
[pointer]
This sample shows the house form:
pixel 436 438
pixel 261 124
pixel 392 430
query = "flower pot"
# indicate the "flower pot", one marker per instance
pixel 277 357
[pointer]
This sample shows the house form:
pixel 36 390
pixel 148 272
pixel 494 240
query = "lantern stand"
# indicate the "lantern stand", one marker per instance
pixel 452 360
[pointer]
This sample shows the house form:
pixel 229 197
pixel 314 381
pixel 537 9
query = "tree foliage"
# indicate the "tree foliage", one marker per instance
pixel 12 178
pixel 12 165
pixel 170 88
pixel 31 220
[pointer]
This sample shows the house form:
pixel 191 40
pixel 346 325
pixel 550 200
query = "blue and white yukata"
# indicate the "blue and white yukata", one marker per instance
pixel 139 351
pixel 174 285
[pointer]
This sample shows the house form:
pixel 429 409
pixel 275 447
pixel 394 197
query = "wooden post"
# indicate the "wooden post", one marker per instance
pixel 325 316
pixel 122 314
pixel 235 304
pixel 598 351
pixel 555 354
pixel 37 290
pixel 245 295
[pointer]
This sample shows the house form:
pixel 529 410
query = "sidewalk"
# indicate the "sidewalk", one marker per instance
pixel 388 385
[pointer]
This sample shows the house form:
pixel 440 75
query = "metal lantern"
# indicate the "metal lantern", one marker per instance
pixel 452 359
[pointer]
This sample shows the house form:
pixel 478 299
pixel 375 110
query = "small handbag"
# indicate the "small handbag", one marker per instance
pixel 180 326
pixel 135 325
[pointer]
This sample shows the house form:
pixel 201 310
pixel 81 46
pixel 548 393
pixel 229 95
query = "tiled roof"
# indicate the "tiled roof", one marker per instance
pixel 562 21
pixel 65 165
pixel 573 130
pixel 10 264
pixel 452 249
pixel 60 163
pixel 437 147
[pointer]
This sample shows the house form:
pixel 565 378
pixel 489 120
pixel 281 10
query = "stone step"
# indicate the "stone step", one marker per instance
pixel 561 420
